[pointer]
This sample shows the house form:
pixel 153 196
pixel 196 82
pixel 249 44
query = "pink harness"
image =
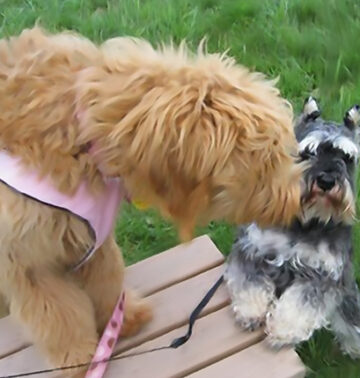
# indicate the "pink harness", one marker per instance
pixel 99 211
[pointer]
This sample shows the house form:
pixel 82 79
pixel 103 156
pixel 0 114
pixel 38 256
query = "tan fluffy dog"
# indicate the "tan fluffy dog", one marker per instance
pixel 199 137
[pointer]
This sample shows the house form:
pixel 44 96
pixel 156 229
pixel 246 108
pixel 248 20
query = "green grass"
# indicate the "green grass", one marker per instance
pixel 313 45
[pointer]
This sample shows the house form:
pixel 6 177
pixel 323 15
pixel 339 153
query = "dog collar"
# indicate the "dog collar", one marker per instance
pixel 97 210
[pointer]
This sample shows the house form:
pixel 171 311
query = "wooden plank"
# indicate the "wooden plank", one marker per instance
pixel 26 361
pixel 215 337
pixel 147 276
pixel 175 265
pixel 172 307
pixel 12 337
pixel 254 362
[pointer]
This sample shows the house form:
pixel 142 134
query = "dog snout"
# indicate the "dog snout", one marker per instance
pixel 325 181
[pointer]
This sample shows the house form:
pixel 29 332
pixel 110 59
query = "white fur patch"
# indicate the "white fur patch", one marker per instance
pixel 251 304
pixel 250 300
pixel 263 239
pixel 354 115
pixel 318 258
pixel 346 145
pixel 292 321
pixel 311 142
pixel 310 106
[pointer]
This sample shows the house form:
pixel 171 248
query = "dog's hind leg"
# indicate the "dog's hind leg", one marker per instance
pixel 345 323
pixel 58 315
pixel 102 279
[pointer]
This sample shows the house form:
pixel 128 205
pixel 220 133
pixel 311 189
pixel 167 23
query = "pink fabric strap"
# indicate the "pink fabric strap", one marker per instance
pixel 107 341
pixel 98 210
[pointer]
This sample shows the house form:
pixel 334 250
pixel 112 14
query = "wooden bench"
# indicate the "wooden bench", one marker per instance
pixel 175 281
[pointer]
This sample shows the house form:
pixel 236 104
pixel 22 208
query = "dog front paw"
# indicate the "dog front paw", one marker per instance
pixel 248 323
pixel 284 330
pixel 250 307
pixel 280 335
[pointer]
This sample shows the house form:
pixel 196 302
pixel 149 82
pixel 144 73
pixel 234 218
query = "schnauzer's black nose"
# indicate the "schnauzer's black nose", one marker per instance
pixel 325 181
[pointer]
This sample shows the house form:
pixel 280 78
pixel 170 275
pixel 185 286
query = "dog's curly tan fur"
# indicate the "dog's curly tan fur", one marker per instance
pixel 197 136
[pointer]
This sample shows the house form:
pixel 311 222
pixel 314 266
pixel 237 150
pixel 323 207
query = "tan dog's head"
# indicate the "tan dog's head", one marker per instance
pixel 197 136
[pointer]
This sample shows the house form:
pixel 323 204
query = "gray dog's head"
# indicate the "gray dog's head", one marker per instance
pixel 332 152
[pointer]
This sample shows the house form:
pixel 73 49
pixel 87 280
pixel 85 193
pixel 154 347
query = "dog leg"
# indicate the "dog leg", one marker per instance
pixel 250 304
pixel 302 309
pixel 137 313
pixel 103 278
pixel 345 323
pixel 58 315
pixel 250 290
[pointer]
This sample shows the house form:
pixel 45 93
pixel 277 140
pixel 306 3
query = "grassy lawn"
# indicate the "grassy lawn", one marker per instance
pixel 313 45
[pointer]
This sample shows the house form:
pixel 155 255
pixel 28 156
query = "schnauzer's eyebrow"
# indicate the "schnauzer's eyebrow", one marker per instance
pixel 315 138
pixel 311 142
pixel 346 145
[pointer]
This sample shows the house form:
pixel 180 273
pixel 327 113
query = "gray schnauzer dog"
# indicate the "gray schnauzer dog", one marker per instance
pixel 298 279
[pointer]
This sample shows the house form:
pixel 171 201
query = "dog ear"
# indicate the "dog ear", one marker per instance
pixel 311 109
pixel 352 117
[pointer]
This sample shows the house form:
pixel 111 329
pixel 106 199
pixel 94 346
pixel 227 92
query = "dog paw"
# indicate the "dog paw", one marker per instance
pixel 250 307
pixel 138 312
pixel 285 331
pixel 249 324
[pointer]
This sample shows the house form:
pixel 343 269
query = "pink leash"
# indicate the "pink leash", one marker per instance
pixel 107 342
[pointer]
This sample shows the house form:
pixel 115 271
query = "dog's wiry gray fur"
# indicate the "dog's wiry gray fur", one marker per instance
pixel 299 279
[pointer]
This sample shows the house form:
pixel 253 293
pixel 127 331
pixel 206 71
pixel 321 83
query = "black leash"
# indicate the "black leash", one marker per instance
pixel 196 312
pixel 174 344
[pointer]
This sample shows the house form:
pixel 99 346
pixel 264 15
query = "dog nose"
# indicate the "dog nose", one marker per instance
pixel 325 182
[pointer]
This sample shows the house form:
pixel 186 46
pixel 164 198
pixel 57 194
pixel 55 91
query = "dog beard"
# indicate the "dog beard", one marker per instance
pixel 338 204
